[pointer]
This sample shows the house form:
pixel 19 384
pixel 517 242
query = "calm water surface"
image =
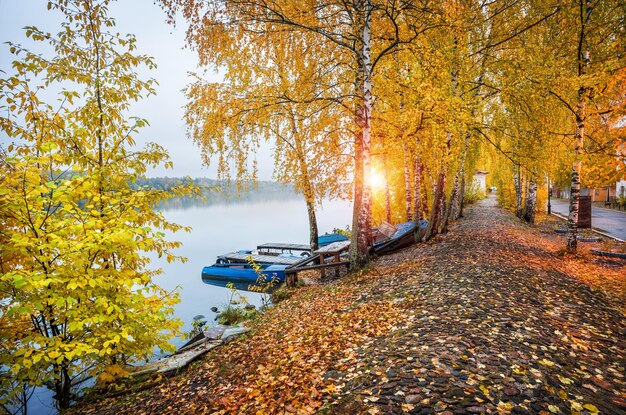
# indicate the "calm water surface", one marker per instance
pixel 218 229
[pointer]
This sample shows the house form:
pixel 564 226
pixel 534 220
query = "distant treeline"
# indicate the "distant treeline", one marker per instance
pixel 218 191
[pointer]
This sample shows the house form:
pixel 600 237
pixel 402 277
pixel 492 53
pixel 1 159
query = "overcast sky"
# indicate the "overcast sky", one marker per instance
pixel 156 38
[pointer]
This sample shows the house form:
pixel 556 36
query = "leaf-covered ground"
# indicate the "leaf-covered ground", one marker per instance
pixel 489 318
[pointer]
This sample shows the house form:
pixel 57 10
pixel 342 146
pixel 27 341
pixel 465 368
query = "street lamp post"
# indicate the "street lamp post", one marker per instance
pixel 549 194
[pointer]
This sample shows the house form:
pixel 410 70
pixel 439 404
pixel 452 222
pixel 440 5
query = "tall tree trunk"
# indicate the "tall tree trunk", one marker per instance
pixel 438 205
pixel 531 201
pixel 307 184
pixel 387 189
pixel 574 197
pixel 417 199
pixel 518 193
pixel 362 214
pixel 441 216
pixel 407 183
pixel 462 195
pixel 456 198
pixel 459 206
pixel 423 192
pixel 451 209
pixel 417 191
pixel 583 63
pixel 313 232
pixel 387 201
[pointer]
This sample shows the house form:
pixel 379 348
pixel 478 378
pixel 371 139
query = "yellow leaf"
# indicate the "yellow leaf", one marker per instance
pixel 564 380
pixel 591 408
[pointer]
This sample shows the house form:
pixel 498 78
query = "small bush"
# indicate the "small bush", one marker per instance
pixel 473 197
pixel 345 231
pixel 281 294
pixel 232 315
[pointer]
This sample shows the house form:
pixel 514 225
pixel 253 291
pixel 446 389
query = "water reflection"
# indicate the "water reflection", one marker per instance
pixel 240 286
pixel 221 228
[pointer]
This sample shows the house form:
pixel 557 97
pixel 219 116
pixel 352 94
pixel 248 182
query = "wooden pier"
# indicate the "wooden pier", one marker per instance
pixel 325 257
pixel 281 248
pixel 239 258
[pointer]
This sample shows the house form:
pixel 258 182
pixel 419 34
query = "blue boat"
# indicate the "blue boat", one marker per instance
pixel 329 238
pixel 244 272
pixel 403 237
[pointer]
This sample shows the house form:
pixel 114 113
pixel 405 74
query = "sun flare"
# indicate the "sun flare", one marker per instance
pixel 377 180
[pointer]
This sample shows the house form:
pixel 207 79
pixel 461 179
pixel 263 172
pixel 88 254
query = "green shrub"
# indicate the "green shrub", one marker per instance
pixel 473 197
pixel 232 315
pixel 281 294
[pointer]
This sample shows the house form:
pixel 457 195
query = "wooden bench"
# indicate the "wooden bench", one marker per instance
pixel 333 251
pixel 318 261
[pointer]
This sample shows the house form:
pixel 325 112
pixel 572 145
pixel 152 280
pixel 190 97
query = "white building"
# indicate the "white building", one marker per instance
pixel 480 181
pixel 620 189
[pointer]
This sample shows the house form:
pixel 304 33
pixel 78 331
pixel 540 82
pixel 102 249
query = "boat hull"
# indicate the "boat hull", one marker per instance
pixel 330 238
pixel 404 236
pixel 243 273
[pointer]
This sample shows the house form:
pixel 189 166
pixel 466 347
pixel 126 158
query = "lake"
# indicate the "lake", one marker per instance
pixel 222 228
pixel 219 228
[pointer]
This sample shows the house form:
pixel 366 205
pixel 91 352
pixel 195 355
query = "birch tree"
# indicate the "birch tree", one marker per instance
pixel 358 34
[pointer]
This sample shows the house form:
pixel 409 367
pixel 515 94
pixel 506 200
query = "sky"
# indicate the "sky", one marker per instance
pixel 165 43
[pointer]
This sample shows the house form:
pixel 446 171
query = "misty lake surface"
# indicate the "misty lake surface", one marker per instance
pixel 227 227
pixel 218 228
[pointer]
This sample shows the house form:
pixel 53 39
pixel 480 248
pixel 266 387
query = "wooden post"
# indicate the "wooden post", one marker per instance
pixel 323 270
pixel 292 279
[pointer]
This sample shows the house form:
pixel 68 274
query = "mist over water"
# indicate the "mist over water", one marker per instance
pixel 222 228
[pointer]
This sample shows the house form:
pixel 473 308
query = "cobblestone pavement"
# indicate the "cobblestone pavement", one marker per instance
pixel 491 327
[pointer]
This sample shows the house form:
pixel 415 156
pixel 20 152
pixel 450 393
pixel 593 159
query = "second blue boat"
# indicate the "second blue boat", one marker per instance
pixel 244 272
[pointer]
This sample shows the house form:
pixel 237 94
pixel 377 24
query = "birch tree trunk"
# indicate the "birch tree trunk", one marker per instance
pixel 362 213
pixel 407 184
pixel 417 191
pixel 424 195
pixel 518 193
pixel 387 201
pixel 313 232
pixel 583 63
pixel 461 195
pixel 438 205
pixel 387 189
pixel 442 216
pixel 307 184
pixel 574 197
pixel 417 199
pixel 451 204
pixel 531 201
pixel 458 193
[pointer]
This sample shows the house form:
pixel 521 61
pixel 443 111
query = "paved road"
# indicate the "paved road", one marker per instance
pixel 612 222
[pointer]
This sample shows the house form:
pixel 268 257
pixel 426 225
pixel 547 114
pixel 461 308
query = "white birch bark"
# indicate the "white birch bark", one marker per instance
pixel 362 214
pixel 531 201
pixel 407 184
pixel 581 114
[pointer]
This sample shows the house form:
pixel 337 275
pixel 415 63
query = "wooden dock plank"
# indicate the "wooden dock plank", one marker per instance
pixel 333 248
pixel 283 246
pixel 259 259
